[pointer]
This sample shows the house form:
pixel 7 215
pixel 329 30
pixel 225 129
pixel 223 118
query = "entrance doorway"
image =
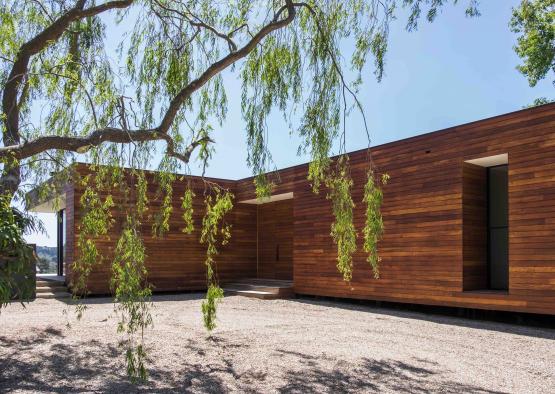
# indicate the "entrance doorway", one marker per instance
pixel 275 240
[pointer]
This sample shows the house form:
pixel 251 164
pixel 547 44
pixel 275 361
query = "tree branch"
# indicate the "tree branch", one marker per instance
pixel 96 138
pixel 199 23
pixel 337 68
pixel 10 105
pixel 223 63
pixel 186 156
pixel 51 34
pixel 116 135
pixel 230 42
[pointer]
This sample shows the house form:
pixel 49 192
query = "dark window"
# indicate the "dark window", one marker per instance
pixel 498 227
pixel 61 240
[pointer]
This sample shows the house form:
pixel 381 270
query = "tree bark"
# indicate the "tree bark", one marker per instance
pixel 15 151
pixel 11 173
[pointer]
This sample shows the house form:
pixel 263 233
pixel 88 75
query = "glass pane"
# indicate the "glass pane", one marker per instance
pixel 63 228
pixel 499 257
pixel 498 190
pixel 498 221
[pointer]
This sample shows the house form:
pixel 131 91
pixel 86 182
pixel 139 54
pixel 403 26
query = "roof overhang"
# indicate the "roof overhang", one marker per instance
pixel 48 197
pixel 490 161
pixel 265 200
pixel 52 205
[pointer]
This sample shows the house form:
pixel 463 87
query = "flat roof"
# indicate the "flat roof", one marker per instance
pixel 57 200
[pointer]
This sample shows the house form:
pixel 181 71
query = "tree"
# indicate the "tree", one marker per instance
pixel 63 98
pixel 43 264
pixel 539 101
pixel 534 20
pixel 16 257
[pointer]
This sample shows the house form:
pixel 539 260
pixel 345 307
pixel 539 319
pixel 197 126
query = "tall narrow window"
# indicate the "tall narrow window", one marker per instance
pixel 61 240
pixel 498 226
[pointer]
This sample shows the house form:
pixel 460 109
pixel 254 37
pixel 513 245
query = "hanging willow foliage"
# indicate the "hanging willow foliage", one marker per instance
pixel 187 207
pixel 161 223
pixel 157 107
pixel 343 232
pixel 342 229
pixel 17 279
pixel 95 222
pixel 373 227
pixel 132 297
pixel 129 283
pixel 214 232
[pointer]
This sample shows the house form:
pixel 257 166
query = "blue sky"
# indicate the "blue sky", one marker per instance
pixel 453 71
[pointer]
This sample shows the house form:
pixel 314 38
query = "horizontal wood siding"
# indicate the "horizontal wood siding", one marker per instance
pixel 422 250
pixel 70 232
pixel 176 260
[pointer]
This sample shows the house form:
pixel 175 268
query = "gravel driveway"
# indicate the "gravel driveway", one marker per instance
pixel 300 346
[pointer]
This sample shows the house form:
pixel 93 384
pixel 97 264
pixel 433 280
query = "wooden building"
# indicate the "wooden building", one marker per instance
pixel 469 219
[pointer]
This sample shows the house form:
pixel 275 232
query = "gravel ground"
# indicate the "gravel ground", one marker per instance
pixel 298 346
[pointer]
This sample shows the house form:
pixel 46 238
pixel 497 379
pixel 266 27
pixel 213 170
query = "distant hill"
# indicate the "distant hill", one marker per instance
pixel 48 258
pixel 49 252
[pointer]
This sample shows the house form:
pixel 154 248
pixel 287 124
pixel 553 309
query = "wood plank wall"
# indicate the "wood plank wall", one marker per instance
pixel 70 232
pixel 475 222
pixel 422 250
pixel 176 261
pixel 275 240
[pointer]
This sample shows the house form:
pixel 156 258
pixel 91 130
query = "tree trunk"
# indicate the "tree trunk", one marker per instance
pixel 10 179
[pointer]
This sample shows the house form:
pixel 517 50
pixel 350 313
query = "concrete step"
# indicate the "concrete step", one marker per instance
pixel 265 282
pixel 63 294
pixel 50 283
pixel 263 295
pixel 260 288
pixel 51 289
pixel 253 287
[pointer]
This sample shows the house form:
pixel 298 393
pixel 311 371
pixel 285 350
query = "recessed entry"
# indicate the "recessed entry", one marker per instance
pixel 486 223
pixel 498 227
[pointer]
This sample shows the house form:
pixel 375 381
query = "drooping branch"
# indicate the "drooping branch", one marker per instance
pixel 43 39
pixel 10 179
pixel 117 135
pixel 335 62
pixel 230 42
pixel 198 23
pixel 188 151
pixel 96 138
pixel 226 61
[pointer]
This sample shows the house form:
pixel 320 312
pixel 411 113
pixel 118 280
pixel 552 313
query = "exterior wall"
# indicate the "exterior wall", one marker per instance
pixel 422 248
pixel 70 228
pixel 176 261
pixel 426 256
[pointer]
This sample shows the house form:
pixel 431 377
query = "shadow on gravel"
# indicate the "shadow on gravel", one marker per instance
pixel 545 332
pixel 372 376
pixel 35 366
pixel 30 365
pixel 160 297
